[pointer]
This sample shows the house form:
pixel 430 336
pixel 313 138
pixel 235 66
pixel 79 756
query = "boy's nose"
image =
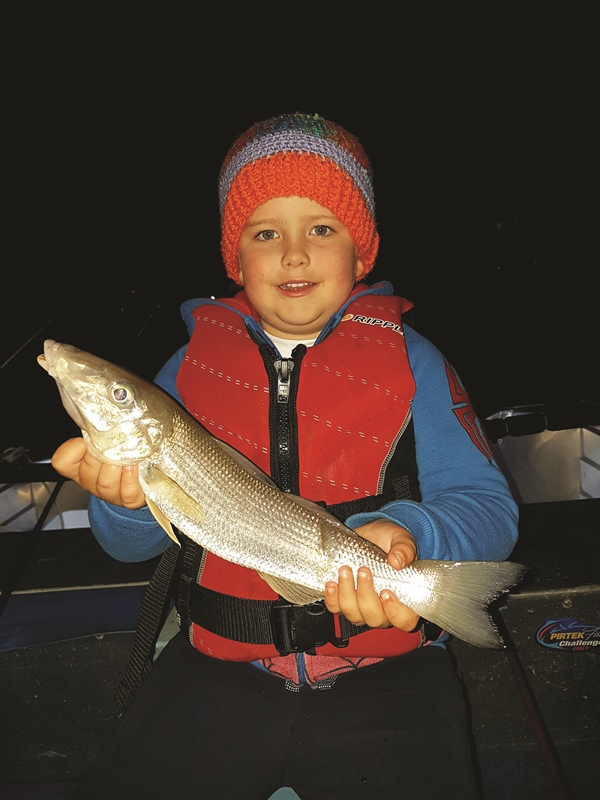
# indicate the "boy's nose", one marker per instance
pixel 295 256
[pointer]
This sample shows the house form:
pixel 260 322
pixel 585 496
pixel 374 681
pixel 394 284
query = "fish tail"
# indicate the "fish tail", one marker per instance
pixel 466 589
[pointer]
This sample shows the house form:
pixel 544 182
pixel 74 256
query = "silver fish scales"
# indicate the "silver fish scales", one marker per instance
pixel 221 500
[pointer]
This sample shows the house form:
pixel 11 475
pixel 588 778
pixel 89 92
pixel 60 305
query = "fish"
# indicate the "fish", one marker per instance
pixel 220 499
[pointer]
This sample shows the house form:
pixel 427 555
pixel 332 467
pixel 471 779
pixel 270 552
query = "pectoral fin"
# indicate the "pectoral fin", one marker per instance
pixel 157 484
pixel 162 520
pixel 160 485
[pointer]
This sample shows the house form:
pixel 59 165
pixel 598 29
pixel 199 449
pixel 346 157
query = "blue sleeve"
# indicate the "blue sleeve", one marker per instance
pixel 167 375
pixel 133 534
pixel 467 510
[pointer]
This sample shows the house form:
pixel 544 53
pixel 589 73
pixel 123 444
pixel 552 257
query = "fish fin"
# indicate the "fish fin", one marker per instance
pixel 292 592
pixel 162 520
pixel 157 483
pixel 466 588
pixel 246 464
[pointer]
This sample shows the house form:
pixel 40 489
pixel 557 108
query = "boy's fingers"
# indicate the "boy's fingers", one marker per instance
pixel 131 491
pixel 67 457
pixel 401 555
pixel 399 615
pixel 106 481
pixel 331 597
pixel 369 603
pixel 347 596
pixel 359 602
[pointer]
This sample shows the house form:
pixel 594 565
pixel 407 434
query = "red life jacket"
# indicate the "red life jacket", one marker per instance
pixel 352 406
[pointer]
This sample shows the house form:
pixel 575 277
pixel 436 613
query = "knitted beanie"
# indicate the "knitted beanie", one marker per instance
pixel 300 155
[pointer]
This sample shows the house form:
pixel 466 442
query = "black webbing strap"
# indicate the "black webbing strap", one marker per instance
pixel 237 618
pixel 151 618
pixel 291 628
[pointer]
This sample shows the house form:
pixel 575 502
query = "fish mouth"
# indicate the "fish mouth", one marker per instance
pixel 47 359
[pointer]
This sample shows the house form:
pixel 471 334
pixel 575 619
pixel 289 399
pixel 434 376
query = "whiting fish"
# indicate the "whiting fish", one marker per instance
pixel 222 501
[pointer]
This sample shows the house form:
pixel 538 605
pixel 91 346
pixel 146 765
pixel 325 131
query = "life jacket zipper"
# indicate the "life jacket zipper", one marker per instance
pixel 284 376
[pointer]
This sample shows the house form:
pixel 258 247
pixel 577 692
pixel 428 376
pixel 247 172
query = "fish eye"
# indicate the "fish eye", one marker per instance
pixel 121 394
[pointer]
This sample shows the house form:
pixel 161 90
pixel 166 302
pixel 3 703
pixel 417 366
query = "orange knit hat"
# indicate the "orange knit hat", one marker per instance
pixel 297 155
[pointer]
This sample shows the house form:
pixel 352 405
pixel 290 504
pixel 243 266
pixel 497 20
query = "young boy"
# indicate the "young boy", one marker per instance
pixel 315 377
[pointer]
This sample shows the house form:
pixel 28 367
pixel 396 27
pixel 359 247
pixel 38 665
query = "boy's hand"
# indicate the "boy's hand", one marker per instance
pixel 362 605
pixel 118 485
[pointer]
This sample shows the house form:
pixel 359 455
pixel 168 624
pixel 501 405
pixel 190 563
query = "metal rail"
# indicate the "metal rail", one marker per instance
pixel 28 473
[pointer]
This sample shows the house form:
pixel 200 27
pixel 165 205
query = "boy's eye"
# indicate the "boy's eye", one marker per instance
pixel 322 230
pixel 266 236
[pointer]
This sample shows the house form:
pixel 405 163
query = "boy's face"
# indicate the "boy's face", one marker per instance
pixel 298 264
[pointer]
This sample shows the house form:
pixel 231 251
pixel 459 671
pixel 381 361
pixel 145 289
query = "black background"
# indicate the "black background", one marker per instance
pixel 480 121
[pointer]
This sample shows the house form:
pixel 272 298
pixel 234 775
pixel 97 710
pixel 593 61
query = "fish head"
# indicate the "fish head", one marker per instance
pixel 123 418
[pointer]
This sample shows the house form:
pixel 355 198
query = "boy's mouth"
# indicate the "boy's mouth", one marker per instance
pixel 295 286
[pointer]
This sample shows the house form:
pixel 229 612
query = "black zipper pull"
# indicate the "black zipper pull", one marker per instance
pixel 283 367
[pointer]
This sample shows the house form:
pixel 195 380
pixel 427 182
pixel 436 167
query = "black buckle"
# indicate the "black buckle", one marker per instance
pixel 301 628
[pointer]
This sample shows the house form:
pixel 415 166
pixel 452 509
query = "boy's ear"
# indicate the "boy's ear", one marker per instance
pixel 359 269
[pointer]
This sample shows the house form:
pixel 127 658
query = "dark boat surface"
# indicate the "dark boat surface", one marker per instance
pixel 69 613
